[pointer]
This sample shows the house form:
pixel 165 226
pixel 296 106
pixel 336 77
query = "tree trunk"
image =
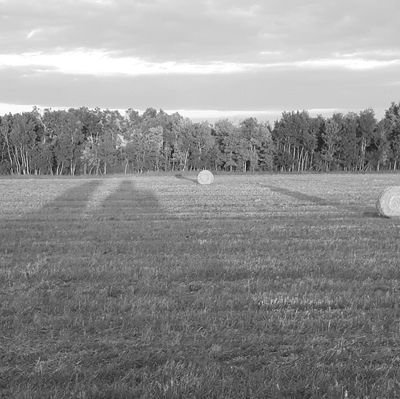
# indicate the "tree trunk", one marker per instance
pixel 126 166
pixel 186 157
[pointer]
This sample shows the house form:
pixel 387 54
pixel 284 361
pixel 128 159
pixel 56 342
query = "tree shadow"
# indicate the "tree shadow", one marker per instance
pixel 128 203
pixel 121 228
pixel 74 200
pixel 19 236
pixel 68 222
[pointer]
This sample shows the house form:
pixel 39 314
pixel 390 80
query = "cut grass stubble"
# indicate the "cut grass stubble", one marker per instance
pixel 167 289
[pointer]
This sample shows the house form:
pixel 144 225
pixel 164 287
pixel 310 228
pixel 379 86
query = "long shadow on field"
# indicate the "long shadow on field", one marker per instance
pixel 318 200
pixel 77 222
pixel 118 225
pixel 127 202
pixel 303 197
pixel 71 203
pixel 25 237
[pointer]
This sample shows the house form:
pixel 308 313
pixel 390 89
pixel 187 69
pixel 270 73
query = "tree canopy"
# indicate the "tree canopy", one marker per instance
pixel 95 141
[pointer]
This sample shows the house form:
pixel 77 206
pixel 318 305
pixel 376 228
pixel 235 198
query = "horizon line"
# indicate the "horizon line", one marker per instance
pixel 196 114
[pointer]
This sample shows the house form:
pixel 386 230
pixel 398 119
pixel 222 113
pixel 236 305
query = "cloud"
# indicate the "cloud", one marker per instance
pixel 357 64
pixel 375 53
pixel 32 33
pixel 100 2
pixel 98 63
pixel 157 30
pixel 102 63
pixel 299 88
pixel 200 54
pixel 14 108
pixel 202 31
pixel 210 115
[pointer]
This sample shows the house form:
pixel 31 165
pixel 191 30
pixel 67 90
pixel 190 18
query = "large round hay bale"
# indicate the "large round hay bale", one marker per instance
pixel 388 203
pixel 205 177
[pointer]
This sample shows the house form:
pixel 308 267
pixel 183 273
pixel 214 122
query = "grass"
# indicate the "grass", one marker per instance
pixel 281 286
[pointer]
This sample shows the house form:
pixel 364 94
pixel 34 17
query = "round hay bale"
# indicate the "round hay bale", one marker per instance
pixel 388 203
pixel 205 177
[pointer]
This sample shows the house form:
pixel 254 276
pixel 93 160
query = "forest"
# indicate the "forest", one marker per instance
pixel 86 141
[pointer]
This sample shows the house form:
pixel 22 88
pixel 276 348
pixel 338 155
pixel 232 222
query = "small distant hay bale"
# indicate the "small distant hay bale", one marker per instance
pixel 388 203
pixel 205 177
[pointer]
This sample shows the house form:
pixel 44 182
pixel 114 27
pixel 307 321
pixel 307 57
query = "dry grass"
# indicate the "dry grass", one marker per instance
pixel 283 286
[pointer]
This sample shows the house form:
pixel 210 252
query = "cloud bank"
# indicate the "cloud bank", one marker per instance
pixel 200 54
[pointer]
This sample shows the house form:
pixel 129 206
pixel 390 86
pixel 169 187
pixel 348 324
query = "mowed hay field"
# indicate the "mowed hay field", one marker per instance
pixel 269 286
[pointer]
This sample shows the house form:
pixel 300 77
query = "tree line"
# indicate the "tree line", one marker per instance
pixel 95 141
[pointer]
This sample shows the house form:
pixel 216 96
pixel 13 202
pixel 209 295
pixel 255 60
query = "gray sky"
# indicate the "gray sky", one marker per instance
pixel 205 58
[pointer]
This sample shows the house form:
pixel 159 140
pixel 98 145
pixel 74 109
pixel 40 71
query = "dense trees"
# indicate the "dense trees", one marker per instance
pixel 84 141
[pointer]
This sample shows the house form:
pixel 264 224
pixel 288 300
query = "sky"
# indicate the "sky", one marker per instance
pixel 207 59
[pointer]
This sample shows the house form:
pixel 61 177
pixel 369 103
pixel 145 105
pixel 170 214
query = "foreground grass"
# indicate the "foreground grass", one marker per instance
pixel 254 287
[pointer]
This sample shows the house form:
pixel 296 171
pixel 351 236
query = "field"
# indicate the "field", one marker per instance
pixel 262 286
